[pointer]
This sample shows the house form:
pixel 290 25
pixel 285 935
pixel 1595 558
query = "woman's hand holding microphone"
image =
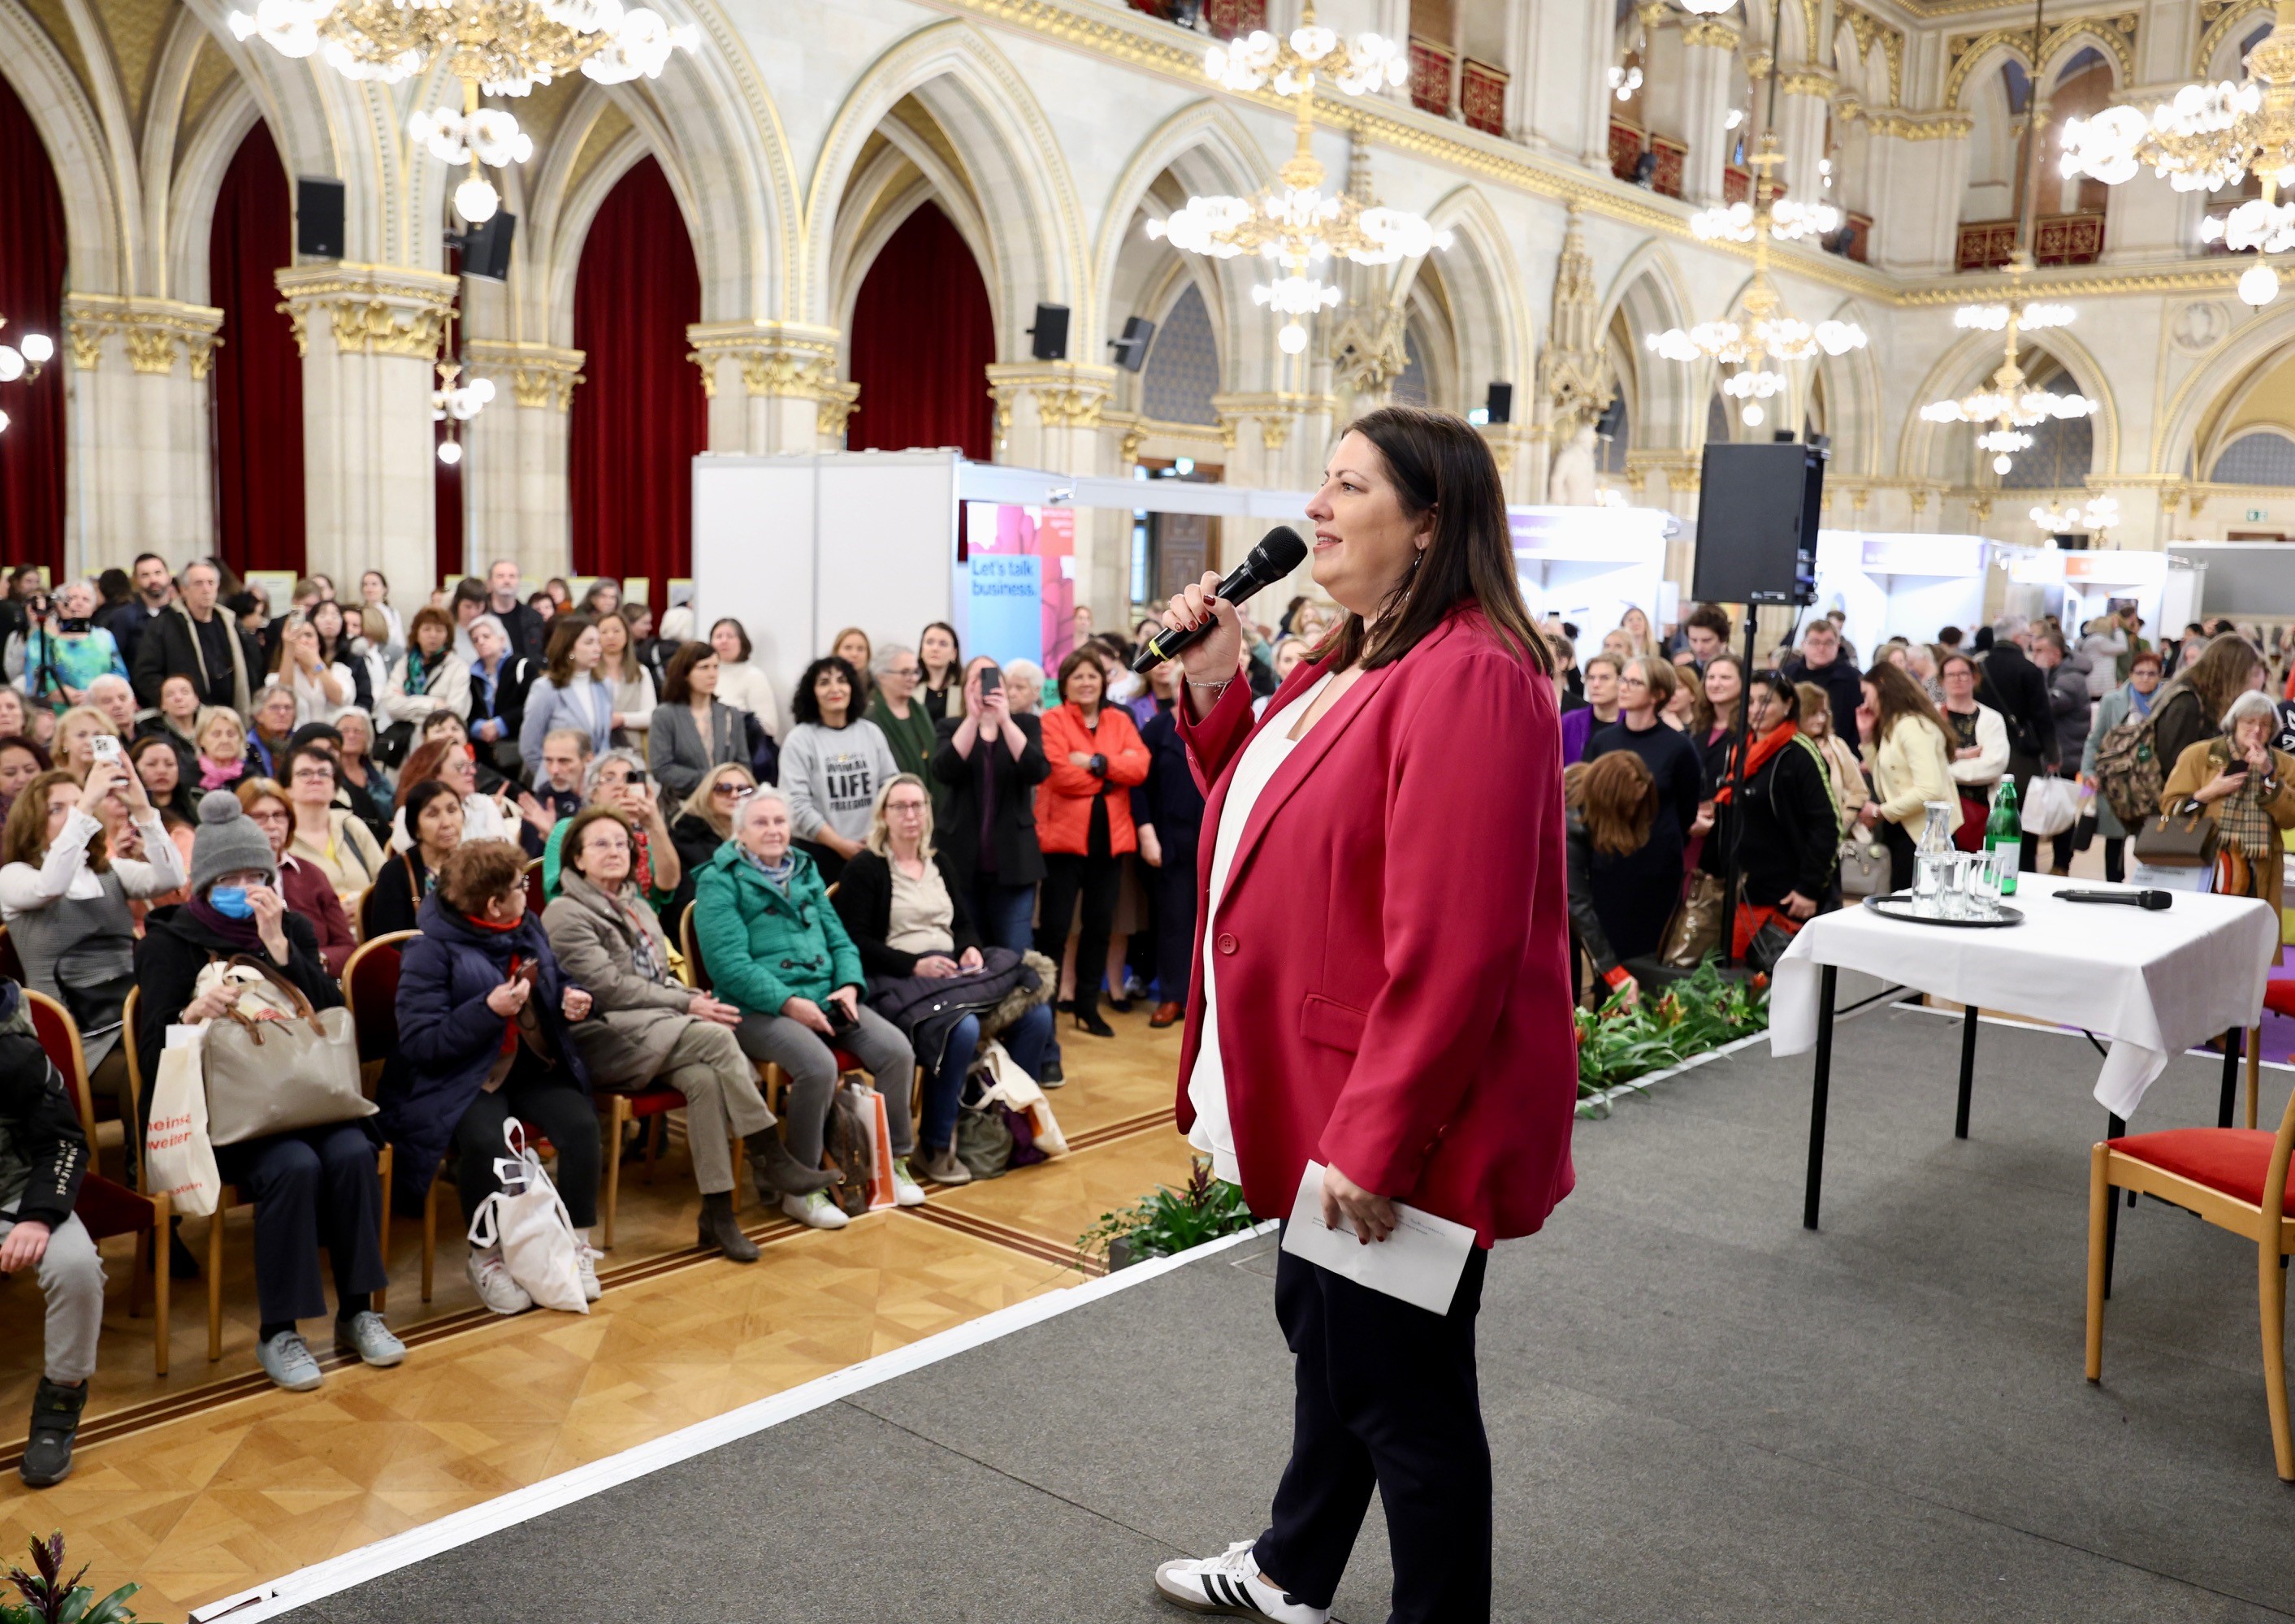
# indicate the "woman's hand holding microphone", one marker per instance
pixel 1212 664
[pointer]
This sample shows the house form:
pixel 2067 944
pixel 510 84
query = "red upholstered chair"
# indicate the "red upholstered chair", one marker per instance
pixel 536 902
pixel 2235 1178
pixel 105 1207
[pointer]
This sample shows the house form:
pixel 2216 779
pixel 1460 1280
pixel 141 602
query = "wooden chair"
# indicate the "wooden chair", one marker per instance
pixel 229 1196
pixel 536 902
pixel 371 994
pixel 2234 1178
pixel 105 1207
pixel 358 907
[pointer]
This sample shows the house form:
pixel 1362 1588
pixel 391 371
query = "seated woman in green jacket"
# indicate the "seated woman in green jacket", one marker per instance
pixel 775 949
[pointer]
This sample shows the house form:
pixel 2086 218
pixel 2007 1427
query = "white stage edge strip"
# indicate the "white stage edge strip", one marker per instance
pixel 308 1584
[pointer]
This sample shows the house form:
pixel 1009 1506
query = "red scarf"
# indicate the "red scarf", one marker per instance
pixel 1757 757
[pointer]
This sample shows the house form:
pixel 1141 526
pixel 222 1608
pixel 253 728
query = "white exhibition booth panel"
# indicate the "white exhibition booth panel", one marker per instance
pixel 1587 566
pixel 798 547
pixel 1901 585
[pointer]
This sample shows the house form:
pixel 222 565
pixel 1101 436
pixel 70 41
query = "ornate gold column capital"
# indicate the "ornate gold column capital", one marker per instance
pixel 1066 393
pixel 1717 35
pixel 784 359
pixel 540 375
pixel 154 331
pixel 378 310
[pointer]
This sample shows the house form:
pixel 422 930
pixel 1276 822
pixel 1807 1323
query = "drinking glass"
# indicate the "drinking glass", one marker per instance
pixel 1983 884
pixel 1952 885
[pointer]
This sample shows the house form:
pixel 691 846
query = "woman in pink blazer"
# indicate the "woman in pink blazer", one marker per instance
pixel 1383 988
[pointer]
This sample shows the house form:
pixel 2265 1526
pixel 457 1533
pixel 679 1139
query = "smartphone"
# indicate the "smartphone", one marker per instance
pixel 839 1022
pixel 104 748
pixel 992 678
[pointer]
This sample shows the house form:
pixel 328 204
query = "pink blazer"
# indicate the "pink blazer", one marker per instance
pixel 1392 952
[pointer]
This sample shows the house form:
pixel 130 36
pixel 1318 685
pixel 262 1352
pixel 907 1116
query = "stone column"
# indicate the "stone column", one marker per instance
pixel 514 457
pixel 1804 99
pixel 1049 416
pixel 1709 55
pixel 772 385
pixel 369 337
pixel 140 462
pixel 1920 164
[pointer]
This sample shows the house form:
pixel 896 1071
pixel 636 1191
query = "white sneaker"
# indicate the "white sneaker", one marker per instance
pixel 585 1264
pixel 816 1210
pixel 490 1276
pixel 1230 1585
pixel 906 1191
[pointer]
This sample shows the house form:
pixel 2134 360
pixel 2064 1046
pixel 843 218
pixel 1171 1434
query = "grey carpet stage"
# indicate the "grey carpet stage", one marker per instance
pixel 1698 1410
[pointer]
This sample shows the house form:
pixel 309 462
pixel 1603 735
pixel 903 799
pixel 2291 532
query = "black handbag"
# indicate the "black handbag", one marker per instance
pixel 390 746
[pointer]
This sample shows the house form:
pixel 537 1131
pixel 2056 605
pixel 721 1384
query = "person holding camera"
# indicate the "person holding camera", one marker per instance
pixel 61 650
pixel 988 760
pixel 617 781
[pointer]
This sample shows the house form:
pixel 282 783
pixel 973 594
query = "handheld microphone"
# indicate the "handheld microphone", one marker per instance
pixel 2151 902
pixel 1278 554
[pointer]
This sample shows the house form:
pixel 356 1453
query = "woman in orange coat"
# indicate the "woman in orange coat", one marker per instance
pixel 1083 822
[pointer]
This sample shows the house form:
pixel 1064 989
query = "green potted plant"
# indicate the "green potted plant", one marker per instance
pixel 52 1599
pixel 1168 1220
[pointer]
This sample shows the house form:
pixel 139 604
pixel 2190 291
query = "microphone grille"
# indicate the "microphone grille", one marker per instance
pixel 1279 554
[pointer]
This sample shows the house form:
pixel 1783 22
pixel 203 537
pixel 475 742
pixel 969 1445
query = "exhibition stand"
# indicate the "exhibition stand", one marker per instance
pixel 1902 584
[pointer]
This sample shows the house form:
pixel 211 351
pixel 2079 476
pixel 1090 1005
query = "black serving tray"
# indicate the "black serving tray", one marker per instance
pixel 1898 905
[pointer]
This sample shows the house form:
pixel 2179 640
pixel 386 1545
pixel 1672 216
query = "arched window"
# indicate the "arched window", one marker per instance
pixel 2261 456
pixel 2063 453
pixel 923 339
pixel 642 417
pixel 1183 368
pixel 31 298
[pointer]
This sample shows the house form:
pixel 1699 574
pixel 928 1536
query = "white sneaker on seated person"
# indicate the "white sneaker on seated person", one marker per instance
pixel 490 1278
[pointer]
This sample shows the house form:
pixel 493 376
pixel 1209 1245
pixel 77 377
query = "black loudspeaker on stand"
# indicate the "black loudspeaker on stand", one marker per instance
pixel 1757 511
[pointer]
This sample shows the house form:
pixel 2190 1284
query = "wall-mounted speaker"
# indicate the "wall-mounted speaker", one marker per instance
pixel 318 217
pixel 485 247
pixel 1611 423
pixel 1498 405
pixel 1132 349
pixel 1050 333
pixel 1757 512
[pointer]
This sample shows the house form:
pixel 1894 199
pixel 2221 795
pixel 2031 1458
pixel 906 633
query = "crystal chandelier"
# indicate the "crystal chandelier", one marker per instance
pixel 2005 403
pixel 2208 136
pixel 2099 515
pixel 23 360
pixel 1769 333
pixel 1297 224
pixel 500 48
pixel 453 403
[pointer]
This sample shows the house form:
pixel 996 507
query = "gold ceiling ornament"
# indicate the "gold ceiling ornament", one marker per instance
pixel 495 47
pixel 2008 409
pixel 1769 332
pixel 2209 136
pixel 1297 223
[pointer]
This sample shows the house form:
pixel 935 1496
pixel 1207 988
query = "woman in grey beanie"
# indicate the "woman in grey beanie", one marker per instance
pixel 308 1186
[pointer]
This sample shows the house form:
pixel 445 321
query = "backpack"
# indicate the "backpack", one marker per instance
pixel 2127 770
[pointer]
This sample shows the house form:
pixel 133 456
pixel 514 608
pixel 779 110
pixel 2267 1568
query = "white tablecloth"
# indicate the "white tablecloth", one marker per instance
pixel 2153 984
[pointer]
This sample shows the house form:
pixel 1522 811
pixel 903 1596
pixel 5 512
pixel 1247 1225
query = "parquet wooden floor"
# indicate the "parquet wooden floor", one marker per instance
pixel 209 1480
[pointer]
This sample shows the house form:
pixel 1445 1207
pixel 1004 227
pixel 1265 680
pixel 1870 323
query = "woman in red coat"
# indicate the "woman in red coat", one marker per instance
pixel 1383 987
pixel 1083 822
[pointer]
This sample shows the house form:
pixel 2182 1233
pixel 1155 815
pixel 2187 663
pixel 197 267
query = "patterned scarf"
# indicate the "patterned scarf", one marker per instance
pixel 2241 817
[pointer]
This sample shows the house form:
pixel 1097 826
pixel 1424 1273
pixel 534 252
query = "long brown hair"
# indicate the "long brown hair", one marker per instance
pixel 1440 464
pixel 1898 697
pixel 24 838
pixel 2217 676
pixel 1616 800
pixel 557 657
pixel 1703 717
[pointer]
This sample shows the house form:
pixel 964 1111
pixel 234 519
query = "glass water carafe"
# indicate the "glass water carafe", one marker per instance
pixel 1930 854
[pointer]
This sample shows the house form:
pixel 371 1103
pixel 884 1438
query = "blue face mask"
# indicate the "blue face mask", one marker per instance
pixel 231 902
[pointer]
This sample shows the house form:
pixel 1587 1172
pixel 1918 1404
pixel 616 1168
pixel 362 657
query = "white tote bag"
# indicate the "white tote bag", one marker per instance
pixel 528 1221
pixel 178 1161
pixel 1013 1087
pixel 2051 806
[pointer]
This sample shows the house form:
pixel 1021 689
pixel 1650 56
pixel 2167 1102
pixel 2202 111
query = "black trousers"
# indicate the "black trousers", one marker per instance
pixel 1898 844
pixel 1098 879
pixel 316 1186
pixel 551 1105
pixel 1175 925
pixel 1387 1398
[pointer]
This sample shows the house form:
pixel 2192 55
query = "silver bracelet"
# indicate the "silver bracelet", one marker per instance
pixel 1219 687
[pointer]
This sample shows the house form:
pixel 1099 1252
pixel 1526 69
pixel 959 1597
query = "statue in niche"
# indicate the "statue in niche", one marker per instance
pixel 1571 483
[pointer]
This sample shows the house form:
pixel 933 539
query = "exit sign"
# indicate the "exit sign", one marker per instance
pixel 2255 516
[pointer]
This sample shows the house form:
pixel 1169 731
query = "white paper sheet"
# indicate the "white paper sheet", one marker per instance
pixel 1420 1263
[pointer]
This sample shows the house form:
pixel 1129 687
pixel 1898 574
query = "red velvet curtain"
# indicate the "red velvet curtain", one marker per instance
pixel 31 298
pixel 258 376
pixel 641 417
pixel 923 337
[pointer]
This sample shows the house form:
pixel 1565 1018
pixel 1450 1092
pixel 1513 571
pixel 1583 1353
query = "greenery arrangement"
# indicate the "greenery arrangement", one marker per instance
pixel 1169 1221
pixel 52 1599
pixel 1617 1044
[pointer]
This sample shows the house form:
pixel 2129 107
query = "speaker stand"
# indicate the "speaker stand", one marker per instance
pixel 1735 806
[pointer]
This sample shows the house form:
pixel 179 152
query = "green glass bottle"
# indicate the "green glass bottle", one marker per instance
pixel 2004 828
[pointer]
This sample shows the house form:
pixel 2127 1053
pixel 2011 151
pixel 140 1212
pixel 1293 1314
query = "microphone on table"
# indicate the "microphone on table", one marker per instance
pixel 1278 554
pixel 2151 902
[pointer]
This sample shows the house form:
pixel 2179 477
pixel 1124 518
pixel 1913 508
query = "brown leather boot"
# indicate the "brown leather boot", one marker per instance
pixel 780 1173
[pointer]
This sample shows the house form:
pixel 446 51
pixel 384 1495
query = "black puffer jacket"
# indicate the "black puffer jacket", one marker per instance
pixel 43 1152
